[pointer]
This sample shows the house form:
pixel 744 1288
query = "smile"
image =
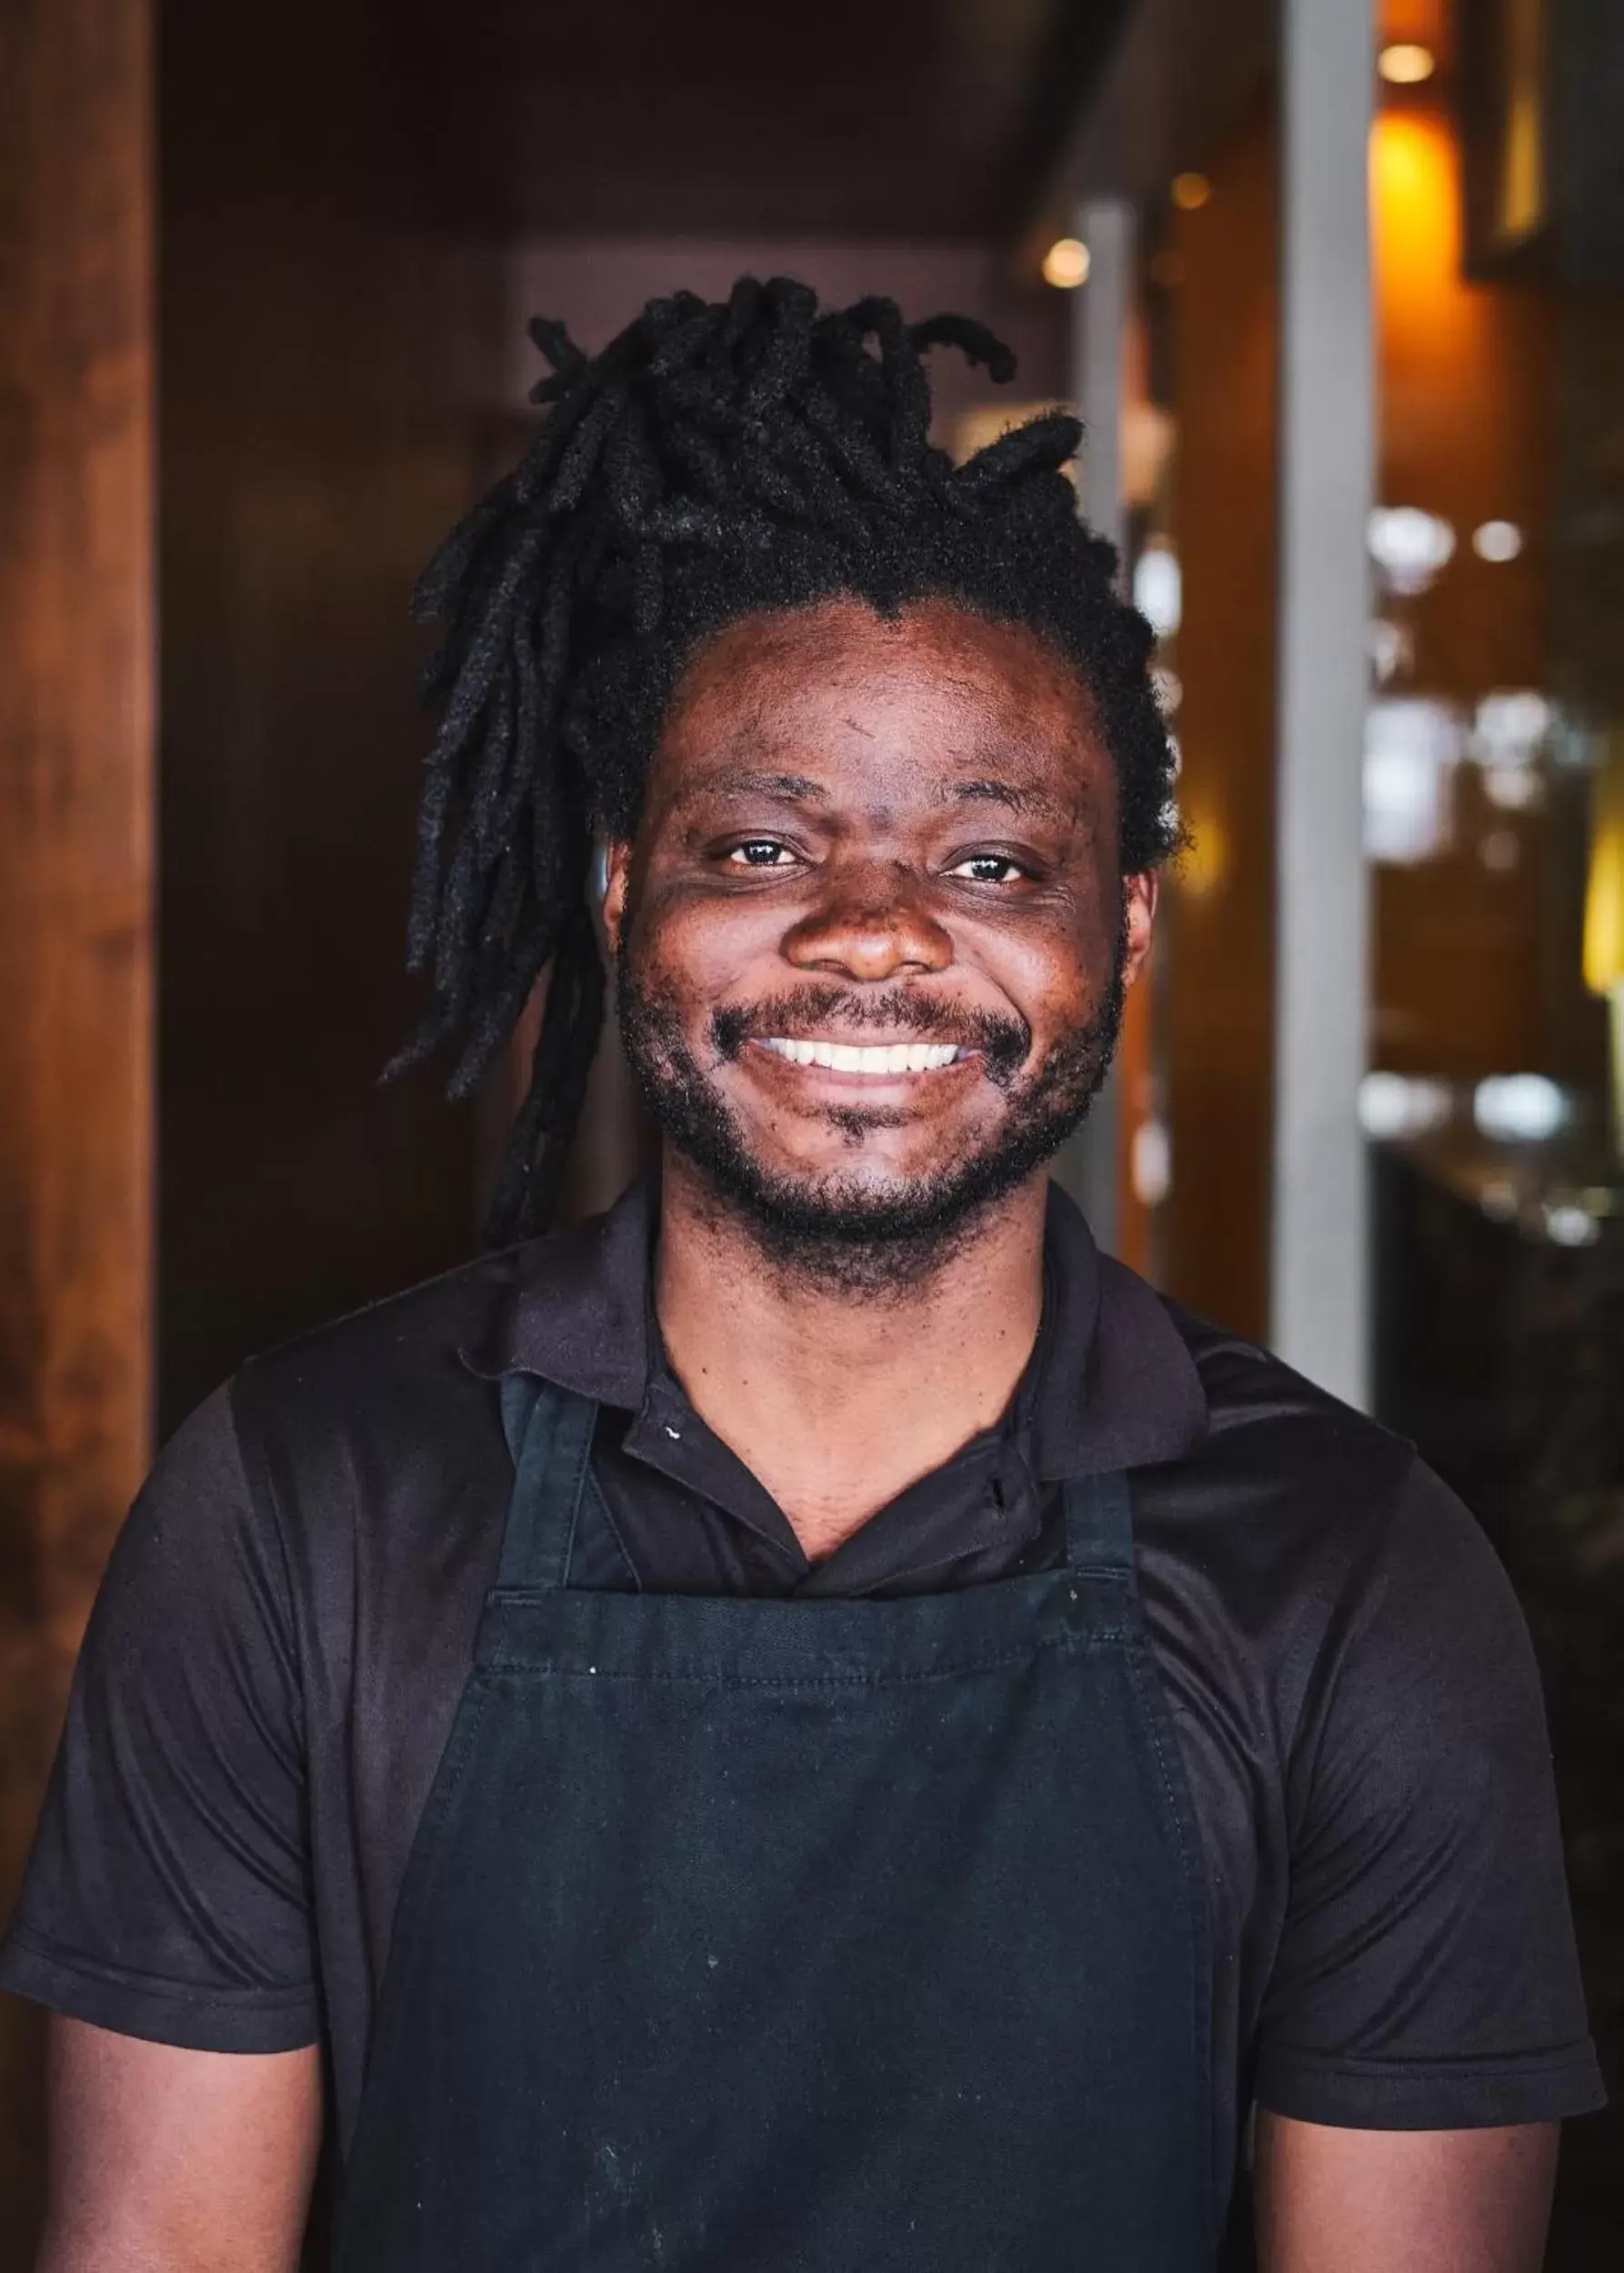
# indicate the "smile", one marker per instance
pixel 847 1057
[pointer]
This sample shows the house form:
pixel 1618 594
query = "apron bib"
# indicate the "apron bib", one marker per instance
pixel 804 1936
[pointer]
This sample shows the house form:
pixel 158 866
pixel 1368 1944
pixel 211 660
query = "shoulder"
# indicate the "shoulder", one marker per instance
pixel 1272 1425
pixel 372 1447
pixel 569 1306
pixel 386 1356
pixel 192 1539
pixel 1313 1552
pixel 1268 1461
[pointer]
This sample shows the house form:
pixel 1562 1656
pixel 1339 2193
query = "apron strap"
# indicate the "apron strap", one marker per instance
pixel 1099 1524
pixel 549 1434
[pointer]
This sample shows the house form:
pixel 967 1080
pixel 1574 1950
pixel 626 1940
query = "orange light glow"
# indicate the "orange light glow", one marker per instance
pixel 1521 198
pixel 1190 192
pixel 1205 867
pixel 1604 897
pixel 1416 218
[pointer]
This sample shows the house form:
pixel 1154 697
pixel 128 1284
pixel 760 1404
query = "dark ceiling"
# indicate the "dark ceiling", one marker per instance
pixel 901 118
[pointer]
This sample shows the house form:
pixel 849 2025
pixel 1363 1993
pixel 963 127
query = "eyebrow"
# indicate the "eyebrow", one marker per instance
pixel 1012 795
pixel 800 788
pixel 797 788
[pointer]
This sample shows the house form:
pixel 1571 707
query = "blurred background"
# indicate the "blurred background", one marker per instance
pixel 1340 290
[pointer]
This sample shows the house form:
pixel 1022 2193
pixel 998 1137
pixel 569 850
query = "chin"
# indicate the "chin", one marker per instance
pixel 854 1165
pixel 848 1198
pixel 899 1215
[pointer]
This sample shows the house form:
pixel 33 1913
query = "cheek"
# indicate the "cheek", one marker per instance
pixel 697 946
pixel 1052 976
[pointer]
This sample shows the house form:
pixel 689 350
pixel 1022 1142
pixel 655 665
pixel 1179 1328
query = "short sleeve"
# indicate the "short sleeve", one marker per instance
pixel 1425 1977
pixel 167 1895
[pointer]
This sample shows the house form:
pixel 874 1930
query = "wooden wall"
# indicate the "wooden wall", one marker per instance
pixel 76 908
pixel 327 360
pixel 1219 920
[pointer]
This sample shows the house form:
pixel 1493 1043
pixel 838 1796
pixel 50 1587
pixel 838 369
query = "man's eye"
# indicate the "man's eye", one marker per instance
pixel 988 868
pixel 760 853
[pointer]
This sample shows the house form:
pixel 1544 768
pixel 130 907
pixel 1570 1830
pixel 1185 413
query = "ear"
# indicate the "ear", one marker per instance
pixel 1139 897
pixel 617 871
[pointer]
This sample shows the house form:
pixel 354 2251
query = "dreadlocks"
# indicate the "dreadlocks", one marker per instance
pixel 714 460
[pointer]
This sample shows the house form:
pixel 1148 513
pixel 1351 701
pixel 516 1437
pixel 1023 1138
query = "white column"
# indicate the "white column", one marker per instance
pixel 1320 1266
pixel 1102 309
pixel 1100 312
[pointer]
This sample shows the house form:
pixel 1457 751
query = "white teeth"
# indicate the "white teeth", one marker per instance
pixel 846 1057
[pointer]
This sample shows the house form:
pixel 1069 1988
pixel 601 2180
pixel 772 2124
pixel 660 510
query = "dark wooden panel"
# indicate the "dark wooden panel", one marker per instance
pixel 1220 911
pixel 323 373
pixel 75 631
pixel 918 118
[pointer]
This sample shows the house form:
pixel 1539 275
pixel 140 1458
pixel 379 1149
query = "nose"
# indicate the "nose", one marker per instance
pixel 870 926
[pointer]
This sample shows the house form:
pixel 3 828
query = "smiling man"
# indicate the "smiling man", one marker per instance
pixel 814 1723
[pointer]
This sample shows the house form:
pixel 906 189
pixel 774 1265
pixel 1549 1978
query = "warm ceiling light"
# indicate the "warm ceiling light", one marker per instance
pixel 1066 263
pixel 1405 63
pixel 1190 191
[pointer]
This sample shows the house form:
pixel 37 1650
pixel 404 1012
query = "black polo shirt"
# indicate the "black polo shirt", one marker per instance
pixel 288 1617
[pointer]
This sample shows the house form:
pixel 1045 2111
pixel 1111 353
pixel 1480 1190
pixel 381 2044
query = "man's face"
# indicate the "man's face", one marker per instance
pixel 871 934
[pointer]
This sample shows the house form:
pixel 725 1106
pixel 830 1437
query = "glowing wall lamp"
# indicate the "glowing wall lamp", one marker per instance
pixel 1604 911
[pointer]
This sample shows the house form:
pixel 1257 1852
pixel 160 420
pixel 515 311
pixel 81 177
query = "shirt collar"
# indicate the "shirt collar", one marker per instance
pixel 1112 1385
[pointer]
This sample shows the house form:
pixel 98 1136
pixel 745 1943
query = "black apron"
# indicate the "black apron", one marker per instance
pixel 794 1937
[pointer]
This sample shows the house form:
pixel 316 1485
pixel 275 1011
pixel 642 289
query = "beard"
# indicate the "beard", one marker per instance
pixel 830 1226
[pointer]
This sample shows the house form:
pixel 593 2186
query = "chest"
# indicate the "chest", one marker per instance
pixel 392 1681
pixel 910 1888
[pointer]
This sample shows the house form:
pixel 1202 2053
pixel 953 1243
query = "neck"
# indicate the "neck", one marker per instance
pixel 839 1398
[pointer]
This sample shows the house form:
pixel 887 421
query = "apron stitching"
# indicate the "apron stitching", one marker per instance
pixel 520 1597
pixel 1157 1717
pixel 577 1487
pixel 552 1672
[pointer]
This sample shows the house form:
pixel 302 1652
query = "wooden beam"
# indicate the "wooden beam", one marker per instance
pixel 75 835
pixel 1219 910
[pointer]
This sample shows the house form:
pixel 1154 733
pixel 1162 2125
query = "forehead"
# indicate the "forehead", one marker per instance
pixel 891 707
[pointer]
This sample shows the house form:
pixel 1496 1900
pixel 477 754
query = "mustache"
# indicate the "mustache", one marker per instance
pixel 1004 1043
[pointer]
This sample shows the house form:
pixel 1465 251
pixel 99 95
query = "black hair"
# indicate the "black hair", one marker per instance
pixel 715 459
